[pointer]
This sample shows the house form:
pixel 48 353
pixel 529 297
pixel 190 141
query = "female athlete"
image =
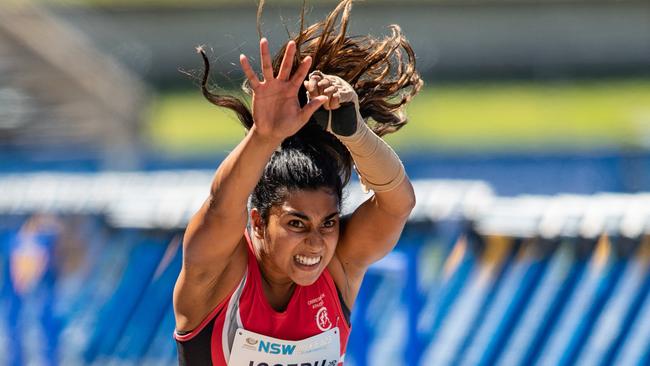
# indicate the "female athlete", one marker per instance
pixel 270 268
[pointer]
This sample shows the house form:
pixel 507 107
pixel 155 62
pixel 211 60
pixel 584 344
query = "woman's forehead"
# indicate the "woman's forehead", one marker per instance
pixel 316 203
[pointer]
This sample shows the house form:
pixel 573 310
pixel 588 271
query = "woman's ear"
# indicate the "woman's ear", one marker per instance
pixel 257 223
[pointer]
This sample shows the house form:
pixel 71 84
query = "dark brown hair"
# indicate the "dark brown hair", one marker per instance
pixel 381 71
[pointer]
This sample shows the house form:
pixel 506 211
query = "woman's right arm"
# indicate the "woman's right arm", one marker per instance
pixel 212 244
pixel 214 232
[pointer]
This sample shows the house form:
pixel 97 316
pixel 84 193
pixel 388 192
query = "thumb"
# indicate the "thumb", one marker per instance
pixel 312 106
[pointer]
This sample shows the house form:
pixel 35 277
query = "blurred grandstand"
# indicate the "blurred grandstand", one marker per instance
pixel 510 257
pixel 60 94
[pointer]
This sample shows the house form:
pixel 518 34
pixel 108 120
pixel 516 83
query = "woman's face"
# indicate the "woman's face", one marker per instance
pixel 300 236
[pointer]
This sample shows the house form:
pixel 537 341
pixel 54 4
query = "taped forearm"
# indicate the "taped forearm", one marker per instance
pixel 379 167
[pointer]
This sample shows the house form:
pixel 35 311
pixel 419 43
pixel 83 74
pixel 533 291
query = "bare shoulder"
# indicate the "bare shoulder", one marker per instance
pixel 195 299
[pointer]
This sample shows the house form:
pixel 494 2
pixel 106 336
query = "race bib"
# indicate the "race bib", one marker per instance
pixel 252 349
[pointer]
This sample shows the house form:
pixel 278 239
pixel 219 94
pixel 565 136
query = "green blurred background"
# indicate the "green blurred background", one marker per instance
pixel 461 116
pixel 500 76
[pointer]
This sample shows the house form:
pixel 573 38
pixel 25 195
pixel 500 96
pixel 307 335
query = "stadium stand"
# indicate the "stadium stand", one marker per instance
pixel 58 92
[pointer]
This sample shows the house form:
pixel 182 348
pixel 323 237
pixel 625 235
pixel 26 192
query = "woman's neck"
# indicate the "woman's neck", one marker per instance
pixel 278 287
pixel 277 292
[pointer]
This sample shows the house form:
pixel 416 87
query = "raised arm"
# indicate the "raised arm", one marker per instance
pixel 215 232
pixel 374 228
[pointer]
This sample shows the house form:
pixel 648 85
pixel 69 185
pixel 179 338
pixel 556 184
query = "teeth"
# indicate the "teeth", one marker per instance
pixel 307 261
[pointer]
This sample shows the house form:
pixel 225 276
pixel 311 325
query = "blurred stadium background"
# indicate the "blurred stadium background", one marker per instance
pixel 529 148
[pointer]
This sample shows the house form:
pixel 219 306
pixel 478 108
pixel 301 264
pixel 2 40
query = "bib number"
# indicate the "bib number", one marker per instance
pixel 252 349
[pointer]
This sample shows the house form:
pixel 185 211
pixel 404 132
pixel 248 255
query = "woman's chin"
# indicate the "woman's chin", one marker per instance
pixel 306 277
pixel 303 281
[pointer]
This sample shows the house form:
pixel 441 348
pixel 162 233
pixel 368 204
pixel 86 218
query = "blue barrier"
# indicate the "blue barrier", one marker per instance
pixel 567 282
pixel 481 316
pixel 150 311
pixel 477 321
pixel 162 350
pixel 452 292
pixel 618 317
pixel 583 330
pixel 116 315
pixel 523 283
pixel 443 296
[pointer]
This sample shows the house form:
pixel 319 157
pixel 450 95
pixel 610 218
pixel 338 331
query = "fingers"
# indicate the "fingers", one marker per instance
pixel 311 91
pixel 335 100
pixel 301 72
pixel 310 84
pixel 287 61
pixel 317 74
pixel 329 92
pixel 265 56
pixel 323 84
pixel 314 78
pixel 319 84
pixel 248 71
pixel 311 107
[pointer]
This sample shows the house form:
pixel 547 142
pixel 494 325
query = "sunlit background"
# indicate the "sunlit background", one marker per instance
pixel 529 147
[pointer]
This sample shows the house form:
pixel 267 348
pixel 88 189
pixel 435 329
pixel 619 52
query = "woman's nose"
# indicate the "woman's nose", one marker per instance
pixel 315 239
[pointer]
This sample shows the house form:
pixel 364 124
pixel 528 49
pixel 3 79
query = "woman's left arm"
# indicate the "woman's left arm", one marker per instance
pixel 374 228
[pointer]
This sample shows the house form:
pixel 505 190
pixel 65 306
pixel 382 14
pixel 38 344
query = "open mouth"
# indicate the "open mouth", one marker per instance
pixel 307 261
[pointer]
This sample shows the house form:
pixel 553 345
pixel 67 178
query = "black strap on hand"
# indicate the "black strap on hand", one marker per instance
pixel 344 119
pixel 321 118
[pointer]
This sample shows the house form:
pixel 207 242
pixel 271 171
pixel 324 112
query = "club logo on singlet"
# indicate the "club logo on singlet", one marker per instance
pixel 322 319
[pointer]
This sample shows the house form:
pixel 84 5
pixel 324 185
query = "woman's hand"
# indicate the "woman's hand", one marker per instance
pixel 341 115
pixel 276 111
pixel 337 90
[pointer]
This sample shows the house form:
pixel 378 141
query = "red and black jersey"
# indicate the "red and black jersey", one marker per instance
pixel 311 310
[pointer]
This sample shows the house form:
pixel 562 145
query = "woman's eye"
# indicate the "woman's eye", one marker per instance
pixel 296 223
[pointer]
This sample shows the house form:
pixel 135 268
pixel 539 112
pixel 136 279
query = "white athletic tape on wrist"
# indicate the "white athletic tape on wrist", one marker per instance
pixel 378 166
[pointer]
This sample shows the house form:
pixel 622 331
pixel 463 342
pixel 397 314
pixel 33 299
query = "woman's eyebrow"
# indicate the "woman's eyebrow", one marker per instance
pixel 299 215
pixel 331 215
pixel 306 218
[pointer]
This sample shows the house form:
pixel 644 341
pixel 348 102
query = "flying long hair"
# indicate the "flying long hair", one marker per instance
pixel 381 71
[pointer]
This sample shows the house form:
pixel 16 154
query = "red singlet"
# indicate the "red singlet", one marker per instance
pixel 311 310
